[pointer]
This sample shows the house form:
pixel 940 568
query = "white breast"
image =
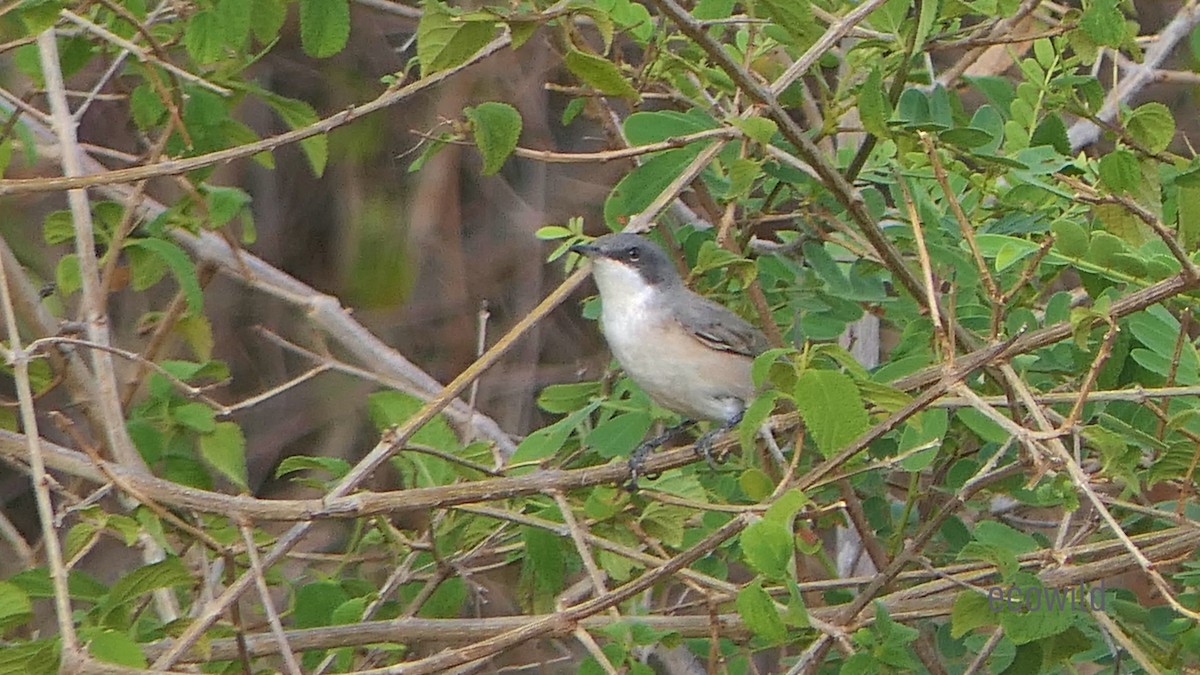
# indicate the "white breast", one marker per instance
pixel 675 369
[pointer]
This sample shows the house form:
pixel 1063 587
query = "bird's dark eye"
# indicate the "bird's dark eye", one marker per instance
pixel 634 253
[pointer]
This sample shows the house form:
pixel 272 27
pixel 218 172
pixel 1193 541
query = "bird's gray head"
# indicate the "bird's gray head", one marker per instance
pixel 629 259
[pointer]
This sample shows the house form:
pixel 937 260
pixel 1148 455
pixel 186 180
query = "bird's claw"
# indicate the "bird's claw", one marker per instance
pixel 637 465
pixel 704 448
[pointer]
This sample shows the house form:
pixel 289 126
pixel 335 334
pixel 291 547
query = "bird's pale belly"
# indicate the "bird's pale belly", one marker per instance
pixel 681 373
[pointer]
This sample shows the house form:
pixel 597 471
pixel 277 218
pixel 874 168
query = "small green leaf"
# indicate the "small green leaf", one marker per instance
pixel 225 450
pixel 758 129
pixel 266 19
pixel 599 73
pixel 564 398
pixel 831 408
pixel 970 611
pixel 116 647
pixel 66 274
pixel 163 574
pixel 394 408
pixel 549 440
pixel 324 26
pixel 235 21
pixel 195 416
pixel 756 484
pixel 296 115
pixel 1119 171
pixel 1070 239
pixel 314 603
pixel 768 548
pixel 223 203
pixel 1152 125
pixel 758 610
pixel 1189 218
pixel 443 41
pixel 1051 131
pixel 1104 23
pixel 874 109
pixel 998 534
pixel 203 37
pixel 180 265
pixel 335 466
pixel 617 436
pixel 545 565
pixel 794 16
pixel 633 193
pixel 147 109
pixel 496 127
pixel 644 128
pixel 15 607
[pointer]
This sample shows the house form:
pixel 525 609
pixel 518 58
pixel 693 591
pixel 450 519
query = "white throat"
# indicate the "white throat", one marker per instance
pixel 628 302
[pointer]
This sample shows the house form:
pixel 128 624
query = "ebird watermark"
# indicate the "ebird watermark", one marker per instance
pixel 1024 599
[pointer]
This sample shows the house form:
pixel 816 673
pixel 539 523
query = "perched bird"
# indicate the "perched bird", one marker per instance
pixel 690 354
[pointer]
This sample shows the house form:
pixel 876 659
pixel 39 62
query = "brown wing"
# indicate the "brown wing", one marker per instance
pixel 719 328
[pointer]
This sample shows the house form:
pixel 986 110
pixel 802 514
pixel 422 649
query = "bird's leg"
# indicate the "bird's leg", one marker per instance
pixel 704 443
pixel 637 459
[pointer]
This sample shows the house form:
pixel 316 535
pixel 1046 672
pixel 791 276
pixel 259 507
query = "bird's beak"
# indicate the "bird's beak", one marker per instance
pixel 586 250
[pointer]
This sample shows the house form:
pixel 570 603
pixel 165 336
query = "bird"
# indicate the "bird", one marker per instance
pixel 691 355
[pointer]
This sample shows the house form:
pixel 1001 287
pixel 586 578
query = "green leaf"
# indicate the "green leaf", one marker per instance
pixel 235 21
pixel 784 509
pixel 445 42
pixel 1189 218
pixel 1049 613
pixel 794 16
pixel 545 567
pixel 15 607
pixel 1051 131
pixel 266 19
pixel 758 611
pixel 335 466
pixel 758 129
pixel 348 612
pixel 617 436
pixel 756 484
pixel 644 128
pixel 1119 171
pixel 599 73
pixel 223 203
pixel 180 265
pixel 38 15
pixel 66 274
pixel 998 534
pixel 324 26
pixel 831 408
pixel 970 611
pixel 1104 23
pixel 1070 239
pixel 147 109
pixel 639 187
pixel 1152 125
pixel 768 548
pixel 394 408
pixel 496 127
pixel 163 574
pixel 563 398
pixel 297 115
pixel 203 37
pixel 195 416
pixel 314 603
pixel 116 647
pixel 225 450
pixel 549 440
pixel 874 109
